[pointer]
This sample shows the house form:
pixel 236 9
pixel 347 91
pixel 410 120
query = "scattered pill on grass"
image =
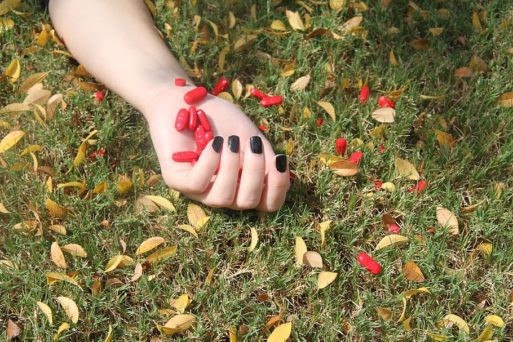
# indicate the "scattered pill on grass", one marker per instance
pixel 382 148
pixel 367 262
pixel 341 145
pixel 180 82
pixel 220 86
pixel 271 101
pixel 263 128
pixel 99 96
pixel 419 187
pixel 364 94
pixel 384 101
pixel 394 228
pixel 195 95
pixel 319 122
pixel 182 119
pixel 356 157
pixel 257 93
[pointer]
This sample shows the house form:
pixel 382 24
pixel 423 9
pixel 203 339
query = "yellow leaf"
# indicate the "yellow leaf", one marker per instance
pixel 55 209
pixel 323 228
pixel 388 186
pixel 486 334
pixel 13 70
pixel 463 72
pixel 62 328
pixel 162 202
pixel 281 333
pixel 406 324
pixel 37 95
pixel 406 169
pixel 438 337
pixel 337 5
pixel 124 184
pixel 161 254
pixel 295 20
pixel 446 218
pixel 113 263
pixel 181 303
pixel 344 168
pixel 47 311
pixel 74 249
pixel 458 321
pixel 412 272
pixel 495 321
pixel 100 188
pixel 30 149
pixel 10 140
pixel 196 215
pixel 232 334
pixel 3 209
pixel 312 259
pixel 485 248
pixel 6 24
pixel 385 115
pixel 237 88
pixel 254 240
pixel 57 256
pixel 58 228
pixel 325 278
pixel 232 21
pixel 410 293
pixel 436 31
pixel 151 7
pixel 478 64
pixel 506 100
pixel 350 25
pixel 445 139
pixel 384 313
pixel 16 108
pixel 108 338
pixel 328 107
pixel 301 83
pixel 52 277
pixel 137 272
pixel 278 25
pixel 82 149
pixel 392 240
pixel 476 23
pixel 70 308
pixel 392 58
pixel 300 250
pixel 8 5
pixel 188 228
pixel 30 81
pixel 178 324
pixel 149 244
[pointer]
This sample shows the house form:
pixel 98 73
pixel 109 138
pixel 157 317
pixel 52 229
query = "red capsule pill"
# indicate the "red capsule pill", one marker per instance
pixel 193 118
pixel 319 122
pixel 384 101
pixel 419 187
pixel 203 120
pixel 257 93
pixel 271 101
pixel 364 94
pixel 368 263
pixel 263 128
pixel 341 145
pixel 220 86
pixel 394 228
pixel 382 148
pixel 199 136
pixel 99 96
pixel 378 184
pixel 356 157
pixel 195 95
pixel 180 82
pixel 185 156
pixel 182 119
pixel 208 136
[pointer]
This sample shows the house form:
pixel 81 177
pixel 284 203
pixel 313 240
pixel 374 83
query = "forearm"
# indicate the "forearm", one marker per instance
pixel 118 44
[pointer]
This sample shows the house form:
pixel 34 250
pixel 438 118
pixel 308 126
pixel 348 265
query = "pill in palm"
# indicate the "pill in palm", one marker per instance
pixel 195 95
pixel 193 118
pixel 180 82
pixel 203 120
pixel 199 137
pixel 185 156
pixel 182 119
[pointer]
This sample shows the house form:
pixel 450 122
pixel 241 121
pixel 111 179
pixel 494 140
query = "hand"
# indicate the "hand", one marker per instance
pixel 264 179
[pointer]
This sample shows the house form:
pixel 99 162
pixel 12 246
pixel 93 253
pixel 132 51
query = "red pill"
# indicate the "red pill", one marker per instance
pixel 220 86
pixel 341 145
pixel 319 122
pixel 384 101
pixel 356 157
pixel 199 136
pixel 99 96
pixel 185 156
pixel 378 184
pixel 382 148
pixel 271 101
pixel 364 94
pixel 182 119
pixel 257 93
pixel 180 82
pixel 263 128
pixel 368 263
pixel 193 118
pixel 195 95
pixel 419 187
pixel 394 228
pixel 203 120
pixel 208 136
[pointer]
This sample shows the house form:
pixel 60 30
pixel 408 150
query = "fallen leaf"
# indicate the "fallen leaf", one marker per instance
pixel 384 115
pixel 124 184
pixel 113 263
pixel 10 140
pixel 3 209
pixel 485 248
pixel 13 330
pixel 384 313
pixel 108 338
pixel 486 334
pixel 30 81
pixel 445 139
pixel 278 25
pixel 458 321
pixel 410 293
pixel 301 83
pixel 55 209
pixel 351 24
pixel 392 240
pixel 436 31
pixel 295 20
pixel 323 228
pixel 13 70
pixel 181 303
pixel 254 240
pixel 62 328
pixel 344 168
pixel 53 277
pixel 478 64
pixel 161 254
pixel 406 169
pixel 58 228
pixel 419 44
pixel 446 218
pixel 196 215
pixel 237 88
pixel 177 324
pixel 494 320
pixel 188 228
pixel 300 250
pixel 312 259
pixel 149 244
pixel 70 308
pixel 325 278
pixel 281 333
pixel 406 324
pixel 337 5
pixel 57 255
pixel 46 311
pixel 138 271
pixel 75 250
pixel 463 72
pixel 328 107
pixel 506 100
pixel 412 272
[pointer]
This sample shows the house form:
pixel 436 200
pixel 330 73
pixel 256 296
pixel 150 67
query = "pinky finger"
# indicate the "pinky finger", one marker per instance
pixel 278 183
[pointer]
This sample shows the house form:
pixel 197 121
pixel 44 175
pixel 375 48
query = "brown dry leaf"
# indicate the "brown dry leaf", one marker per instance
pixel 476 22
pixel 312 259
pixel 53 102
pixel 70 308
pixel 445 139
pixel 391 240
pixel 138 271
pixel 75 250
pixel 10 140
pixel 478 64
pixel 149 244
pixel 344 168
pixel 446 218
pixel 325 278
pixel 494 320
pixel 58 228
pixel 53 277
pixel 384 115
pixel 328 107
pixel 412 272
pixel 463 72
pixel 177 324
pixel 181 303
pixel 13 330
pixel 419 44
pixel 459 322
pixel 384 313
pixel 300 250
pixel 46 311
pixel 281 333
pixel 145 204
pixel 13 70
pixel 406 169
pixel 351 25
pixel 196 215
pixel 436 31
pixel 278 25
pixel 57 255
pixel 113 263
pixel 161 254
pixel 506 100
pixel 162 202
pixel 16 108
pixel 301 83
pixel 30 81
pixel 254 240
pixel 37 95
pixel 295 20
pixel 55 209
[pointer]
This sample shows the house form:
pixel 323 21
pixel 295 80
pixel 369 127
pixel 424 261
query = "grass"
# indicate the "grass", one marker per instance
pixel 478 168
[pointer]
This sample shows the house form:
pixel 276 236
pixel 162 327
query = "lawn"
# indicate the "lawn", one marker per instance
pixel 446 162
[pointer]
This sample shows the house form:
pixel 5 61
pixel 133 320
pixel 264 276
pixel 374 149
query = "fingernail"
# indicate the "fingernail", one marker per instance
pixel 217 143
pixel 233 143
pixel 255 143
pixel 281 162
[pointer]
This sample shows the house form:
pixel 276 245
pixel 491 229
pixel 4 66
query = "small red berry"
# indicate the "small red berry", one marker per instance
pixel 341 145
pixel 364 94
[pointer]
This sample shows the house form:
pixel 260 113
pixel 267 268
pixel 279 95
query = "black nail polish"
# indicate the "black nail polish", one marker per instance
pixel 281 162
pixel 217 143
pixel 255 143
pixel 233 143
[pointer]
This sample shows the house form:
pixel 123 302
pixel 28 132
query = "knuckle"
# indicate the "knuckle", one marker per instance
pixel 194 186
pixel 248 203
pixel 219 202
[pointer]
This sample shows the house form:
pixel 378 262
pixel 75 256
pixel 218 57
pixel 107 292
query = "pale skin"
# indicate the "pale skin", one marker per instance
pixel 118 44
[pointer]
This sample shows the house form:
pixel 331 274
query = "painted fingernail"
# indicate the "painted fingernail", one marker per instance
pixel 255 143
pixel 217 143
pixel 281 162
pixel 233 143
